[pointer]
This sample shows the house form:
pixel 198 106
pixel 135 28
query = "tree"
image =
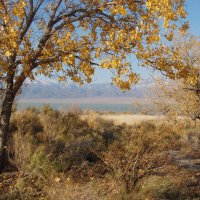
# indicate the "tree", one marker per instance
pixel 1 91
pixel 181 97
pixel 174 100
pixel 72 38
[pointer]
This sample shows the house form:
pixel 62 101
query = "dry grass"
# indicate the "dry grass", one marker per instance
pixel 128 119
pixel 62 155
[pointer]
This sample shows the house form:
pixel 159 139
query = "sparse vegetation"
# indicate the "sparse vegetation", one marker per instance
pixel 62 155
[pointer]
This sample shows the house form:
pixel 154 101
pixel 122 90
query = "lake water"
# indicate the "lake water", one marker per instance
pixel 92 106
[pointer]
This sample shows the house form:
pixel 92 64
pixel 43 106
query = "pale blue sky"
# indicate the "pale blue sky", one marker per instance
pixel 193 8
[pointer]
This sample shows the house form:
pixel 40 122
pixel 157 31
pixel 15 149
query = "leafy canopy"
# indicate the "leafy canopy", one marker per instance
pixel 72 38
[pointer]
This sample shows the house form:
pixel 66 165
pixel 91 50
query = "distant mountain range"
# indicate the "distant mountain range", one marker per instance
pixel 44 89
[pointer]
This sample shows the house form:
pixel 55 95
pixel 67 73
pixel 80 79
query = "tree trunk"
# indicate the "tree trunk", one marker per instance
pixel 4 125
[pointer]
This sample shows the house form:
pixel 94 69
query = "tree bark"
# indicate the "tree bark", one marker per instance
pixel 4 125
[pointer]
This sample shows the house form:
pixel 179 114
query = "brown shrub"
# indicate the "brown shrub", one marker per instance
pixel 26 122
pixel 102 160
pixel 139 152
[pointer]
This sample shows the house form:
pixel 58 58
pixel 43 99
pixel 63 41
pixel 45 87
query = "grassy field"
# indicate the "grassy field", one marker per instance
pixel 90 156
pixel 130 119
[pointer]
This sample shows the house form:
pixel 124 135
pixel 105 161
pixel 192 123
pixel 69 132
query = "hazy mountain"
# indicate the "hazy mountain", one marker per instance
pixel 43 89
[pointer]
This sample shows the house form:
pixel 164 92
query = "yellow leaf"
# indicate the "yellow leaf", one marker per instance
pixel 7 53
pixel 68 179
pixel 57 179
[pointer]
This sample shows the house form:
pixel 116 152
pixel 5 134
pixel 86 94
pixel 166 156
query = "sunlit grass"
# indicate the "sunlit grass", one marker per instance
pixel 129 119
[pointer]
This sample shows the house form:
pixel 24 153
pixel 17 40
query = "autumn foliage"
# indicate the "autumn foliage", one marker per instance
pixel 71 38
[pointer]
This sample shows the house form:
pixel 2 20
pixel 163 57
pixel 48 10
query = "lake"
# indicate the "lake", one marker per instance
pixel 97 104
pixel 96 107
